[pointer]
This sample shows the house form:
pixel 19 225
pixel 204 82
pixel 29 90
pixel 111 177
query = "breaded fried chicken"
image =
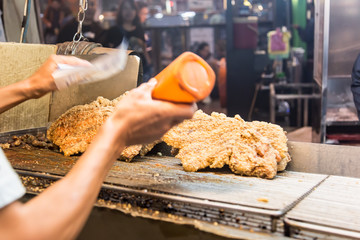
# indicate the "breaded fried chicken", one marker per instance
pixel 277 138
pixel 216 140
pixel 74 130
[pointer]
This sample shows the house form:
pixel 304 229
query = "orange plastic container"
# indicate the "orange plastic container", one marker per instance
pixel 187 79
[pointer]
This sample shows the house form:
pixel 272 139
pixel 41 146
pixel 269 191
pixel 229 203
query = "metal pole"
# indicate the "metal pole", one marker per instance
pixel 324 82
pixel 24 24
pixel 38 20
pixel 272 103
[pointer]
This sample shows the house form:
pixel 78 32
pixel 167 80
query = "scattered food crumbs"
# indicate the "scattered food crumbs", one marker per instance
pixel 29 141
pixel 265 200
pixel 5 146
pixel 17 142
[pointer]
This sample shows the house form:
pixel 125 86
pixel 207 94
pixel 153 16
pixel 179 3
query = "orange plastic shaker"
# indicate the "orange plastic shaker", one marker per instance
pixel 187 79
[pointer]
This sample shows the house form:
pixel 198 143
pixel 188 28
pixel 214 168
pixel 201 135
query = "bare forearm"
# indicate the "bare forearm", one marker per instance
pixel 14 94
pixel 19 92
pixel 75 195
pixel 61 210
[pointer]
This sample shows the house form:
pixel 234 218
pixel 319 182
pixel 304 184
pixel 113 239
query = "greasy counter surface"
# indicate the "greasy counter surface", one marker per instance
pixel 165 175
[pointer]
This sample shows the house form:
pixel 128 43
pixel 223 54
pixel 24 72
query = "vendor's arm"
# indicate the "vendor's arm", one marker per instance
pixel 62 209
pixel 37 85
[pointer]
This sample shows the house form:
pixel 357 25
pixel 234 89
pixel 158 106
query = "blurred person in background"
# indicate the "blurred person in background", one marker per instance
pixel 68 16
pixel 91 29
pixel 220 49
pixel 143 12
pixel 220 54
pixel 203 50
pixel 127 26
pixel 53 16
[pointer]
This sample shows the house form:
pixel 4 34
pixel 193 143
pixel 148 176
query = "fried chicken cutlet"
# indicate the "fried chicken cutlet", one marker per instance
pixel 277 138
pixel 216 140
pixel 74 130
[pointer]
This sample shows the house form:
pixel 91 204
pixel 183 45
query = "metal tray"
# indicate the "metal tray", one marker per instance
pixel 161 184
pixel 332 209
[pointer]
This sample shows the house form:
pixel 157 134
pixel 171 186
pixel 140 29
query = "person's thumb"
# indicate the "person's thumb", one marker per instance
pixel 149 86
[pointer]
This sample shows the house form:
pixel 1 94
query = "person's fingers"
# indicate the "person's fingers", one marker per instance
pixel 177 121
pixel 148 86
pixel 71 60
pixel 145 89
pixel 194 107
pixel 52 63
pixel 181 111
pixel 184 112
pixel 153 81
pixel 181 117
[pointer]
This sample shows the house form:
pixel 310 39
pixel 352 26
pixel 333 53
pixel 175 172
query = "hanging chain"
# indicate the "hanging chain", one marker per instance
pixel 83 6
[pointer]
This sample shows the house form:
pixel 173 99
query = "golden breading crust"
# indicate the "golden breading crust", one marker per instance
pixel 74 130
pixel 130 152
pixel 216 140
pixel 278 140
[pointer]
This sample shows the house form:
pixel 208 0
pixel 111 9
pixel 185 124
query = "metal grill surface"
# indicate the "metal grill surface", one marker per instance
pixel 161 184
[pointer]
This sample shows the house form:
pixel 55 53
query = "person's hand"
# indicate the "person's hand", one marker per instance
pixel 140 119
pixel 42 81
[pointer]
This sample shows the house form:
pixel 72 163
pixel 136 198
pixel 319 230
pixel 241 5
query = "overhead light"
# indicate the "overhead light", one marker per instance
pixel 159 15
pixel 101 17
pixel 188 14
pixel 247 3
